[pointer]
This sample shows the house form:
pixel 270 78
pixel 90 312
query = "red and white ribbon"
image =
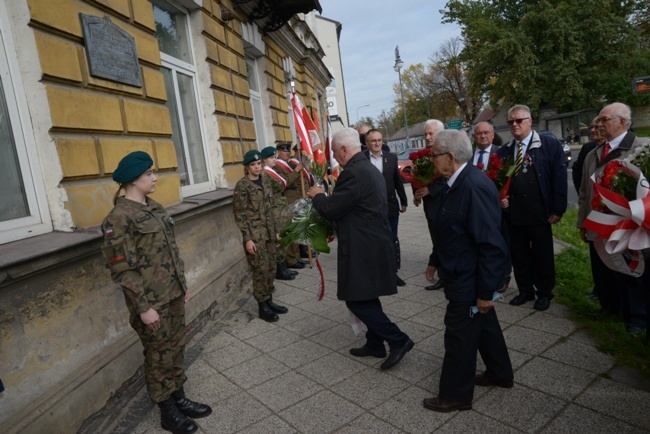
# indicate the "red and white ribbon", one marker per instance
pixel 623 234
pixel 275 175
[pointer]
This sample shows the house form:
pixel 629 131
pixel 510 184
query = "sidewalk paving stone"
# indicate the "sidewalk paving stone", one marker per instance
pixel 297 376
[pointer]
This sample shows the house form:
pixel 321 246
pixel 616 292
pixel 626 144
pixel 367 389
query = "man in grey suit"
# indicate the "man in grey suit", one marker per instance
pixel 366 257
pixel 629 291
pixel 386 163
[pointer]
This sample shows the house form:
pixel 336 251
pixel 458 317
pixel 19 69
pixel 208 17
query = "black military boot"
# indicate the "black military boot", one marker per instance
pixel 266 313
pixel 190 408
pixel 276 307
pixel 282 273
pixel 171 419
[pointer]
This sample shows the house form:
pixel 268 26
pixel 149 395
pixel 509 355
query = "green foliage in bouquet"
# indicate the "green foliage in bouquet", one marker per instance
pixel 307 227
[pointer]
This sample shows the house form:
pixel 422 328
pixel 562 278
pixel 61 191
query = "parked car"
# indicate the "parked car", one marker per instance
pixel 404 164
pixel 565 145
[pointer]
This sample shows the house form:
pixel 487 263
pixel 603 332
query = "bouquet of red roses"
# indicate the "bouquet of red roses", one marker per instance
pixel 500 174
pixel 620 213
pixel 423 170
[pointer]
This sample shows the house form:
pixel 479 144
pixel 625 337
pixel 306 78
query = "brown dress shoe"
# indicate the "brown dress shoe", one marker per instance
pixel 437 404
pixel 484 381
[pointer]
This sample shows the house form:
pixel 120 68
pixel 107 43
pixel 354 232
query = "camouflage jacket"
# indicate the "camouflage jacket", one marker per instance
pixel 281 209
pixel 255 209
pixel 142 255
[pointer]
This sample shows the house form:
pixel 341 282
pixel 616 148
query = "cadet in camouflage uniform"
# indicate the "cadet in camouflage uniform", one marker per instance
pixel 143 258
pixel 282 215
pixel 292 194
pixel 254 208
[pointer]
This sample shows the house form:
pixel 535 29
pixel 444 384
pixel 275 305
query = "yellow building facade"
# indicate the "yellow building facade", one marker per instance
pixel 208 82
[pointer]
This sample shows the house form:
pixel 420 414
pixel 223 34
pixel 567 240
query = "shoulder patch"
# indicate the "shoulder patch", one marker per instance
pixel 109 232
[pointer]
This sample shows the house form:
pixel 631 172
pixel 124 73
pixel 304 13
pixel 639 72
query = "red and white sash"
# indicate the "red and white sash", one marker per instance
pixel 273 174
pixel 286 166
pixel 306 174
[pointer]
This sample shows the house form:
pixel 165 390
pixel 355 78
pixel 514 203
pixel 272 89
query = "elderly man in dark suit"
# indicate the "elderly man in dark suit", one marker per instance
pixel 386 163
pixel 483 137
pixel 431 195
pixel 366 257
pixel 471 256
pixel 537 199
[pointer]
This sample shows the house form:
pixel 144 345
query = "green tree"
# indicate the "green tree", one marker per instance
pixel 569 54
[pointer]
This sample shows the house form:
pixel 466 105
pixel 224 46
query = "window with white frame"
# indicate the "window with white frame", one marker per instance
pixel 21 216
pixel 172 32
pixel 256 100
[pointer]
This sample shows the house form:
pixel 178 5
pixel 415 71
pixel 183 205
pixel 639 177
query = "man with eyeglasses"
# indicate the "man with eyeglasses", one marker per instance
pixel 537 199
pixel 625 292
pixel 386 163
pixel 483 138
pixel 596 138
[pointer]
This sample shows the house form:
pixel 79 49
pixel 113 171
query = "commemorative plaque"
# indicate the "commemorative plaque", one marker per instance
pixel 111 51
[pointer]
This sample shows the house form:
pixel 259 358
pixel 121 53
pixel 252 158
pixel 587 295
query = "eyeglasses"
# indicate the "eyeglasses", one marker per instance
pixel 518 121
pixel 595 127
pixel 604 119
pixel 483 133
pixel 433 156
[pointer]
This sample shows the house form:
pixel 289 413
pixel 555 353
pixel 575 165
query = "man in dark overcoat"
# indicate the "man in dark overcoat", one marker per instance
pixel 366 257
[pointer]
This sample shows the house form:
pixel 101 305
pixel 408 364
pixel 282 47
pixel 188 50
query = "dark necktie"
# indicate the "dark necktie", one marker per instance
pixel 480 158
pixel 606 150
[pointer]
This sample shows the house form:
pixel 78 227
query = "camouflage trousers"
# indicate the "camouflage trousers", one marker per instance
pixel 292 254
pixel 163 350
pixel 263 265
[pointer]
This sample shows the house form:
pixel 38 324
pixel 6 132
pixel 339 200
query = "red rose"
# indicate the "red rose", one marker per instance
pixel 480 166
pixel 413 156
pixel 495 162
pixel 492 174
pixel 426 152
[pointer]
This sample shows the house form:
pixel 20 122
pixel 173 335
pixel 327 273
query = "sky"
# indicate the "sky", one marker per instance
pixel 371 30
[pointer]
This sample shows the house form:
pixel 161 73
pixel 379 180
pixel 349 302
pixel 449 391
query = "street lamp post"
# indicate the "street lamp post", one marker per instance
pixel 397 68
pixel 360 107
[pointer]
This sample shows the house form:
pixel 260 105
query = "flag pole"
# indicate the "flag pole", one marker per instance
pixel 302 178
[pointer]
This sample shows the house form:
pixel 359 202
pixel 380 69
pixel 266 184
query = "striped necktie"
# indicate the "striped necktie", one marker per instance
pixel 520 158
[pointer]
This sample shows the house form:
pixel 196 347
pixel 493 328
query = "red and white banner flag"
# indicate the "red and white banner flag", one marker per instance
pixel 304 126
pixel 334 165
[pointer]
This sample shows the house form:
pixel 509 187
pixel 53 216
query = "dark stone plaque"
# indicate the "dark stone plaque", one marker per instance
pixel 111 51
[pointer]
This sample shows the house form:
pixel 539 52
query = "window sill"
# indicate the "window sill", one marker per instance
pixel 24 258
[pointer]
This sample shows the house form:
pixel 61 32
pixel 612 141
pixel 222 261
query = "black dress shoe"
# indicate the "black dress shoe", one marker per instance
pixel 437 404
pixel 400 282
pixel 292 272
pixel 364 351
pixel 521 299
pixel 297 265
pixel 483 381
pixel 542 303
pixel 396 355
pixel 266 313
pixel 438 285
pixel 276 307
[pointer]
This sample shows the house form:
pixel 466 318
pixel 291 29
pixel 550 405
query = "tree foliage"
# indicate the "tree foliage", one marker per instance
pixel 569 54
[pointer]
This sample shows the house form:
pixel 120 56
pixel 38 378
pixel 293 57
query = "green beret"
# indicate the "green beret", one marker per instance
pixel 132 166
pixel 283 146
pixel 269 151
pixel 250 156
